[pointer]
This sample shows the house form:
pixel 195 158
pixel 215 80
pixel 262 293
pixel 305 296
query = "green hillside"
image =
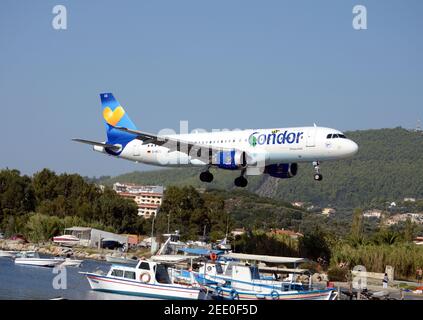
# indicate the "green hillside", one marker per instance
pixel 388 167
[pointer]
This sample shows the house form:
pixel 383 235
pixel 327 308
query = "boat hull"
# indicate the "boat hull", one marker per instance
pixel 136 288
pixel 71 263
pixel 227 293
pixel 7 254
pixel 66 240
pixel 39 262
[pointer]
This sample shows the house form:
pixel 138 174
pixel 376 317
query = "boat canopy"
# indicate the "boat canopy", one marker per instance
pixel 170 258
pixel 269 259
pixel 200 251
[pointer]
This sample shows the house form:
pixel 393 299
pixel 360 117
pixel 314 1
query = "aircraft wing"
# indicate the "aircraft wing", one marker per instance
pixel 198 151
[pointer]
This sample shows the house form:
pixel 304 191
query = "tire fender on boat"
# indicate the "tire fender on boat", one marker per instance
pixel 219 291
pixel 145 277
pixel 275 295
pixel 234 295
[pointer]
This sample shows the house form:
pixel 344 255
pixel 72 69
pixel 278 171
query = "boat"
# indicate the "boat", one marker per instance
pixel 66 240
pixel 7 254
pixel 237 281
pixel 121 260
pixel 147 279
pixel 32 258
pixel 71 263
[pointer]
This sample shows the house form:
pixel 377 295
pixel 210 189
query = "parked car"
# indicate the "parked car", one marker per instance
pixel 18 237
pixel 111 244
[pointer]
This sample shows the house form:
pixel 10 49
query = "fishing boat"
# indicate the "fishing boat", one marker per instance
pixel 238 281
pixel 147 279
pixel 237 276
pixel 32 258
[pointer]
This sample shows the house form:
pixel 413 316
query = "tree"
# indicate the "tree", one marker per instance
pixel 356 233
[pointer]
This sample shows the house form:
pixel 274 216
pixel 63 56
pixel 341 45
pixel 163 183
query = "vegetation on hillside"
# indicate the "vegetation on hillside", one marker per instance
pixel 29 204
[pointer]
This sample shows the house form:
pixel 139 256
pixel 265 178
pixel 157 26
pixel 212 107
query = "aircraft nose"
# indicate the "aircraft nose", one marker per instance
pixel 352 147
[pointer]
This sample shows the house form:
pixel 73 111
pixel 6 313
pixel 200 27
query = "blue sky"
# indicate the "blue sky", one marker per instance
pixel 218 64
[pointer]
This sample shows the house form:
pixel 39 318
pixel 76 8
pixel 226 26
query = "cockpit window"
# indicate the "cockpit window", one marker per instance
pixel 335 135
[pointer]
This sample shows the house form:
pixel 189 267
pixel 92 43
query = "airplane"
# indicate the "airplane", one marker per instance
pixel 275 152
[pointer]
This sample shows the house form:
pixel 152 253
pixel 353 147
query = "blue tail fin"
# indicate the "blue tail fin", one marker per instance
pixel 115 116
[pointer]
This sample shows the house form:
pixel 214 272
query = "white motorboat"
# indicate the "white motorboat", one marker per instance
pixel 32 258
pixel 71 263
pixel 148 279
pixel 66 240
pixel 7 254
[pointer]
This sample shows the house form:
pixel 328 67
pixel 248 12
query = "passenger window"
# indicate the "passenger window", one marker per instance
pixel 329 136
pixel 117 273
pixel 144 266
pixel 130 275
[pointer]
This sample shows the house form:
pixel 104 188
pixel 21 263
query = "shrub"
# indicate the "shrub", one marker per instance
pixel 337 274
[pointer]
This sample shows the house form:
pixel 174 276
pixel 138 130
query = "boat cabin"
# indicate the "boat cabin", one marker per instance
pixel 145 271
pixel 247 277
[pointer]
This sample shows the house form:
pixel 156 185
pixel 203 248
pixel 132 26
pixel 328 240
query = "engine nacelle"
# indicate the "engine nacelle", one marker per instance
pixel 282 170
pixel 231 160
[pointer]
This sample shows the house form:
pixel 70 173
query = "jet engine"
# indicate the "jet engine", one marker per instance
pixel 282 170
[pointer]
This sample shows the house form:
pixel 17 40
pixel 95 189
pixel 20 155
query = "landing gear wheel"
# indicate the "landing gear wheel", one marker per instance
pixel 241 182
pixel 318 177
pixel 206 176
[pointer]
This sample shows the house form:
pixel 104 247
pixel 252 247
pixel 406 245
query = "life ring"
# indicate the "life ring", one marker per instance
pixel 145 277
pixel 234 295
pixel 209 268
pixel 213 256
pixel 275 295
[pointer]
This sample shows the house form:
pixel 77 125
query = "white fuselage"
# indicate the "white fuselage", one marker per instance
pixel 273 146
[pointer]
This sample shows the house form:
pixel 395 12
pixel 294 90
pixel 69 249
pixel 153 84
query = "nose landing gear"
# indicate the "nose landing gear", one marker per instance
pixel 317 175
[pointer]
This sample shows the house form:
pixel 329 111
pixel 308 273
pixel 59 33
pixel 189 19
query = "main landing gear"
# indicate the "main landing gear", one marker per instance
pixel 241 181
pixel 317 174
pixel 206 176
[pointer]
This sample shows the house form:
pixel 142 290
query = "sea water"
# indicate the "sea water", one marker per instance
pixel 31 282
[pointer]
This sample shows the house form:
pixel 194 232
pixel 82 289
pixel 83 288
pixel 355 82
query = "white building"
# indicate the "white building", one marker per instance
pixel 328 211
pixel 375 213
pixel 90 237
pixel 147 198
pixel 414 217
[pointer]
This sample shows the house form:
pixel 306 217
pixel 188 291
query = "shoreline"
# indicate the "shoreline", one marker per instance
pixel 53 249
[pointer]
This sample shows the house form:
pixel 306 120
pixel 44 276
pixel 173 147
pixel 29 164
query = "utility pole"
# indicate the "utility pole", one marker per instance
pixel 168 223
pixel 152 227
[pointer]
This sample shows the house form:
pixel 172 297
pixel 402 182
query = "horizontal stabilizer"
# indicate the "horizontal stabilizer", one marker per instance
pixel 99 144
